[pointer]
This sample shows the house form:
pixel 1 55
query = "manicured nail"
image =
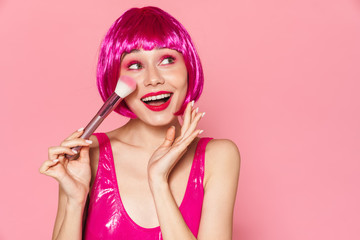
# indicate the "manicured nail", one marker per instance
pixel 88 141
pixel 74 151
pixel 203 114
pixel 55 160
pixel 192 103
pixel 197 109
pixel 201 131
pixel 80 129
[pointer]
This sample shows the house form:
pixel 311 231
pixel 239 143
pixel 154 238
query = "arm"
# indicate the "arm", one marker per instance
pixel 72 224
pixel 223 169
pixel 62 211
pixel 222 165
pixel 171 221
pixel 74 180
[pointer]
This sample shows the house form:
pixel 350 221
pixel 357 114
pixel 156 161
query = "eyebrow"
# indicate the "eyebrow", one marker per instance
pixel 134 50
pixel 138 50
pixel 126 53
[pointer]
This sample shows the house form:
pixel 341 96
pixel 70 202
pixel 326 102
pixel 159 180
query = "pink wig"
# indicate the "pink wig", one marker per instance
pixel 146 28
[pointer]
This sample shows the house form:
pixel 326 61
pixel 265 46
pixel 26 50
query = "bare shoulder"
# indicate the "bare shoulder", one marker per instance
pixel 94 156
pixel 94 147
pixel 222 158
pixel 94 152
pixel 223 151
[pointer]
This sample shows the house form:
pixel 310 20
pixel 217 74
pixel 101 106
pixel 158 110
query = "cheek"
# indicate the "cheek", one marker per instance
pixel 182 79
pixel 182 87
pixel 131 101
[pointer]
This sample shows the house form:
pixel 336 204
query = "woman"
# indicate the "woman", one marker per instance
pixel 147 179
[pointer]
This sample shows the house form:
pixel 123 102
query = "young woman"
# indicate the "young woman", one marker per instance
pixel 152 178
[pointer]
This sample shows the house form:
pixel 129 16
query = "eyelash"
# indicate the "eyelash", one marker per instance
pixel 134 63
pixel 139 66
pixel 172 59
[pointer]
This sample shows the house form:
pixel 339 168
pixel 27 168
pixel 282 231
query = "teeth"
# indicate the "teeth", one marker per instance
pixel 161 96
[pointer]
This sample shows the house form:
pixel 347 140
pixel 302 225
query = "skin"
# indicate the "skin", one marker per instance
pixel 153 156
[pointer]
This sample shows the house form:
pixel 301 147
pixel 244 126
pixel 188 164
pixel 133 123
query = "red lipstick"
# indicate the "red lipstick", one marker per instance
pixel 154 94
pixel 159 107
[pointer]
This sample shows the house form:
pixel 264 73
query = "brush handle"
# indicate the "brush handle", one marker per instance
pixel 104 111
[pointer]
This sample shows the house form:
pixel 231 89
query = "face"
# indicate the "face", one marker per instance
pixel 161 78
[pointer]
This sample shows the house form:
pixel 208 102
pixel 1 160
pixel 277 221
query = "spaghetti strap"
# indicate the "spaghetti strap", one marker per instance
pixel 105 152
pixel 102 139
pixel 194 195
pixel 199 158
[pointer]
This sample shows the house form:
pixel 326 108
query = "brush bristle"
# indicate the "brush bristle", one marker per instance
pixel 125 86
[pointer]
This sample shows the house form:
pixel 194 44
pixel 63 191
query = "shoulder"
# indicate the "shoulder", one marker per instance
pixel 223 145
pixel 222 159
pixel 94 151
pixel 94 156
pixel 94 147
pixel 223 151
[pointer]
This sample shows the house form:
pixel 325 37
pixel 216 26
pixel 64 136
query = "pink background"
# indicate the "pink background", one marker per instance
pixel 282 81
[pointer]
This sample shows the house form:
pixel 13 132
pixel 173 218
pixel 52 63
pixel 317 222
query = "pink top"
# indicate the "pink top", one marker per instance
pixel 107 217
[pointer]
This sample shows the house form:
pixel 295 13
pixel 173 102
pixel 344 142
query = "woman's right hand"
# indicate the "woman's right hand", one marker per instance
pixel 73 175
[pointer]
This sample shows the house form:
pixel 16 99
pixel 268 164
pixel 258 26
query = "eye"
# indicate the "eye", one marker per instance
pixel 168 60
pixel 134 65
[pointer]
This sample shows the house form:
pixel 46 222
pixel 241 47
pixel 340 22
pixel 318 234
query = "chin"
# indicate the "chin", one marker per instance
pixel 160 120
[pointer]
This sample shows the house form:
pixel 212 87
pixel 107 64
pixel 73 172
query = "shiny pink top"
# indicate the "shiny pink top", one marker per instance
pixel 107 217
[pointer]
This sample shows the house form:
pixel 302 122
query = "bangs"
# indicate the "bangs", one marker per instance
pixel 150 31
pixel 146 28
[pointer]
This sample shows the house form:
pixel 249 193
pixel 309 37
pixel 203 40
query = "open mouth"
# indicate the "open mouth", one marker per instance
pixel 157 100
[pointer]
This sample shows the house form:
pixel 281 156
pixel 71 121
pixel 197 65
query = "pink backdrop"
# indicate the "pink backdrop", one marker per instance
pixel 282 81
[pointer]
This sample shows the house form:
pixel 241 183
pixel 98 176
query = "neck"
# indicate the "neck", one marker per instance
pixel 137 133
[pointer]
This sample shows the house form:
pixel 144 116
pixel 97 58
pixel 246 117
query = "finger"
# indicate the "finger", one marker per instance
pixel 76 142
pixel 187 141
pixel 193 113
pixel 65 162
pixel 169 138
pixel 61 159
pixel 52 168
pixel 75 134
pixel 54 152
pixel 84 154
pixel 194 124
pixel 187 118
pixel 182 146
pixel 47 164
pixel 185 129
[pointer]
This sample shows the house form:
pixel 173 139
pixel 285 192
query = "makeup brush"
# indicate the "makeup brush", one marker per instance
pixel 124 87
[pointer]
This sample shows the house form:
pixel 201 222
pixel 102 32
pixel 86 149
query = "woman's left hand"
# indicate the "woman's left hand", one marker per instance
pixel 171 150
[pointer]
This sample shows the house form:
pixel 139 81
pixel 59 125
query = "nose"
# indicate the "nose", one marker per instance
pixel 153 77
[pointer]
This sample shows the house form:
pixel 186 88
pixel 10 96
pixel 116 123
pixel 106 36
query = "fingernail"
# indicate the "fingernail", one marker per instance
pixel 203 114
pixel 74 151
pixel 192 103
pixel 55 160
pixel 197 109
pixel 201 131
pixel 88 141
pixel 80 129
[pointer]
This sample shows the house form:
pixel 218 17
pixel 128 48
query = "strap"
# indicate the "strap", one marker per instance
pixel 101 138
pixel 104 145
pixel 199 159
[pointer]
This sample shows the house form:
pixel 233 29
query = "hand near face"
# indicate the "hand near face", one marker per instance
pixel 168 154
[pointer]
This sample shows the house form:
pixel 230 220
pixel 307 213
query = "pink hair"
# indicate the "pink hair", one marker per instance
pixel 146 28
